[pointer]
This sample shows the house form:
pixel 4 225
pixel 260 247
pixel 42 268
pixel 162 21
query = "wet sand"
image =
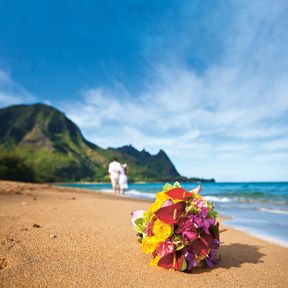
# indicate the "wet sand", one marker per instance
pixel 64 237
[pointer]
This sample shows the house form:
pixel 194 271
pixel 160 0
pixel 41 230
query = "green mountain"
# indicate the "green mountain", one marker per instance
pixel 39 143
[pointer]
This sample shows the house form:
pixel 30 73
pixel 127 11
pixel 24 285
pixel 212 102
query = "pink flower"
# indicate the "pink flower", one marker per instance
pixel 200 203
pixel 149 228
pixel 136 214
pixel 202 207
pixel 167 203
pixel 187 228
pixel 190 235
pixel 164 248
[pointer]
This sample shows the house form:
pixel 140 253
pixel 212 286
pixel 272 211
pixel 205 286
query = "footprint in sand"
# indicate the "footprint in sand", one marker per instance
pixel 9 243
pixel 3 263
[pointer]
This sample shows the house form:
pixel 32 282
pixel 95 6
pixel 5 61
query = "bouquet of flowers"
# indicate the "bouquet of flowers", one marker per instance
pixel 179 229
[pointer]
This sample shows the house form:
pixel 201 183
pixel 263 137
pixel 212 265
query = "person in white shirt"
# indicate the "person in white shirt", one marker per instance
pixel 123 178
pixel 114 171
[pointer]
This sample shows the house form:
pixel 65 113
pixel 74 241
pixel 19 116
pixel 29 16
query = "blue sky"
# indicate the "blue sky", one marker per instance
pixel 207 81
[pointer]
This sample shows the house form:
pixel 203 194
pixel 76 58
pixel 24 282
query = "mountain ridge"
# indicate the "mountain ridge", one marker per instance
pixel 42 139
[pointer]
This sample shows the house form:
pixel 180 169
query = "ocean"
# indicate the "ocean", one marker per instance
pixel 260 209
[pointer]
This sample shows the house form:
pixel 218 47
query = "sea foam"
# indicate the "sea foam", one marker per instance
pixel 275 211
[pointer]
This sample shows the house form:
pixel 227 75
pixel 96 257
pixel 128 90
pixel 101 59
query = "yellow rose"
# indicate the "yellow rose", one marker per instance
pixel 161 197
pixel 162 230
pixel 155 261
pixel 149 244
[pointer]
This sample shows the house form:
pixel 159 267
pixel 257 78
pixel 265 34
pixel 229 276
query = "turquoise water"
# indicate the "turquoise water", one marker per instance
pixel 260 209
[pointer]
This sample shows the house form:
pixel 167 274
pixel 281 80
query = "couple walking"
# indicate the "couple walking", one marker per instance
pixel 118 176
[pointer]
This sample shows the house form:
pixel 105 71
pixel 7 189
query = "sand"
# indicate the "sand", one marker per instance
pixel 62 237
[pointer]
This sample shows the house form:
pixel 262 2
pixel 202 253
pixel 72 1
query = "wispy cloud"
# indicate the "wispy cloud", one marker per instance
pixel 11 92
pixel 237 107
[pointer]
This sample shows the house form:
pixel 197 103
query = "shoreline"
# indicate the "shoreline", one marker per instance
pixel 59 236
pixel 145 182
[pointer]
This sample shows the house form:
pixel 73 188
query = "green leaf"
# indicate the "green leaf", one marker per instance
pixel 139 221
pixel 176 185
pixel 138 229
pixel 214 230
pixel 139 225
pixel 181 246
pixel 212 214
pixel 184 264
pixel 192 208
pixel 211 205
pixel 167 187
pixel 176 239
pixel 146 218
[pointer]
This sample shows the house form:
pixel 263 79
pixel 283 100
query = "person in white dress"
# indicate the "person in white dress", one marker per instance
pixel 114 172
pixel 123 178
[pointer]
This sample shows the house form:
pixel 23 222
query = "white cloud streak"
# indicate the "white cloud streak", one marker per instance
pixel 11 92
pixel 237 109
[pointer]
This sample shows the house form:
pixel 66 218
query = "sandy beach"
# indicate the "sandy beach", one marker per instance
pixel 64 237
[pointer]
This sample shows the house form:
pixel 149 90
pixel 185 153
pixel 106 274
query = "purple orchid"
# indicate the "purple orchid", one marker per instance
pixel 190 258
pixel 212 259
pixel 204 223
pixel 203 213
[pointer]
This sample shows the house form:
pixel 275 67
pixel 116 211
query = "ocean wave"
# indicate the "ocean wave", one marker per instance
pixel 213 198
pixel 275 202
pixel 139 194
pixel 147 195
pixel 217 199
pixel 250 195
pixel 106 190
pixel 246 200
pixel 275 211
pixel 132 193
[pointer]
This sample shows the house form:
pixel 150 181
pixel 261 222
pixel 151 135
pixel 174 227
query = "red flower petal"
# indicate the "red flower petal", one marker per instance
pixel 170 214
pixel 179 193
pixel 202 245
pixel 172 260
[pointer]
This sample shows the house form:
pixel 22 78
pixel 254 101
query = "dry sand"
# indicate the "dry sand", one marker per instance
pixel 84 239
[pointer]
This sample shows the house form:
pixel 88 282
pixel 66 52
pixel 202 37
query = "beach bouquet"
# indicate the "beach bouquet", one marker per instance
pixel 179 229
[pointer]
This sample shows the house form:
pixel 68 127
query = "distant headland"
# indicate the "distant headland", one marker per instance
pixel 38 143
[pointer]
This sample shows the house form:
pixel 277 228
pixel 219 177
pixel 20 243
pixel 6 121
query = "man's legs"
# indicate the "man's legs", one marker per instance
pixel 117 187
pixel 115 184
